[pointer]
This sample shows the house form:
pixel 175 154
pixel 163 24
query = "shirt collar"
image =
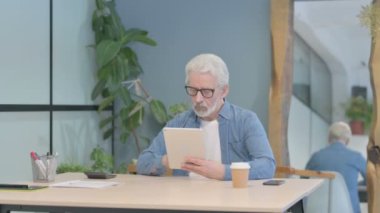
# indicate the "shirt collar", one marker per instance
pixel 338 143
pixel 225 112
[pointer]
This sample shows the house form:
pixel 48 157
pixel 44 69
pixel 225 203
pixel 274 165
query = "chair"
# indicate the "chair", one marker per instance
pixel 284 170
pixel 331 197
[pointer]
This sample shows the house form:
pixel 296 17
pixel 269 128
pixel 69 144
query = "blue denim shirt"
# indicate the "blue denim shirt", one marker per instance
pixel 242 138
pixel 337 157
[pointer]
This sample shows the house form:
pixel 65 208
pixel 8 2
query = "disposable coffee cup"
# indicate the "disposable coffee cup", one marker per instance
pixel 240 173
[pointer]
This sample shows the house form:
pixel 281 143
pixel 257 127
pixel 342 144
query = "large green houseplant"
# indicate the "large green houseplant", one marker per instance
pixel 118 80
pixel 118 76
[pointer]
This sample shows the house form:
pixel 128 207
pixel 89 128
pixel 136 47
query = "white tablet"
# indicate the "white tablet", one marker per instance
pixel 183 142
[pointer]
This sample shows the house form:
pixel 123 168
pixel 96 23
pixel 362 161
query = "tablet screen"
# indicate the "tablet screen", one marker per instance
pixel 183 142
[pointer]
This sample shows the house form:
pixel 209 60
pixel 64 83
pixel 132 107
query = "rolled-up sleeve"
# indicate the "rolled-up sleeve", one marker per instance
pixel 255 148
pixel 149 161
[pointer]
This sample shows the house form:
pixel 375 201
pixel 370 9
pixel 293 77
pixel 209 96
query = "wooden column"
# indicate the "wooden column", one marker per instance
pixel 373 147
pixel 282 78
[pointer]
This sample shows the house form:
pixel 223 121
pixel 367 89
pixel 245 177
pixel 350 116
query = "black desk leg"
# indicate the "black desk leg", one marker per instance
pixel 297 208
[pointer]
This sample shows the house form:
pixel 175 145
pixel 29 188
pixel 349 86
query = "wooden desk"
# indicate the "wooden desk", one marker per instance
pixel 145 194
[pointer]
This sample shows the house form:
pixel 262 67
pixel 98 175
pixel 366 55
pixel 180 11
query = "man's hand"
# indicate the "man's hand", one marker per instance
pixel 207 168
pixel 164 161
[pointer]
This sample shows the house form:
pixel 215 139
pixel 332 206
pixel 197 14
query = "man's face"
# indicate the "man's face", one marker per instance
pixel 206 107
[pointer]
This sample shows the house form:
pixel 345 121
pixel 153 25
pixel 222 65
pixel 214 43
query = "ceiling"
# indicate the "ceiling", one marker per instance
pixel 333 30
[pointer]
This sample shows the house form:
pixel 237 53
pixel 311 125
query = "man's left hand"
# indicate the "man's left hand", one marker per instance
pixel 207 168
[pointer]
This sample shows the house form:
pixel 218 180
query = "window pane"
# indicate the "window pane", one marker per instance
pixel 21 133
pixel 73 59
pixel 24 52
pixel 75 134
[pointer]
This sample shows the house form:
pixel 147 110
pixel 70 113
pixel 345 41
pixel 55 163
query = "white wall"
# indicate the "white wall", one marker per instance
pixel 307 133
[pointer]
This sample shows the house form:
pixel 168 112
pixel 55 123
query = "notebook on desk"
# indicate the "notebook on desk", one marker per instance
pixel 183 142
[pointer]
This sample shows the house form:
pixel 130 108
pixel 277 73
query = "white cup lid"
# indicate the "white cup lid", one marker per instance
pixel 240 165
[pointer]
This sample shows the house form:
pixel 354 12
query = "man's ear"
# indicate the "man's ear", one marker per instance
pixel 226 89
pixel 347 142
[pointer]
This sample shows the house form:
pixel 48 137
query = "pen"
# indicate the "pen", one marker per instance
pixel 41 166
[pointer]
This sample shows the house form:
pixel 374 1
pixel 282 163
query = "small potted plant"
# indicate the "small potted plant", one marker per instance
pixel 359 112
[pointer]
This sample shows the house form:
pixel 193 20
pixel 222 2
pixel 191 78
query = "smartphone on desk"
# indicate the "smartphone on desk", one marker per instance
pixel 273 182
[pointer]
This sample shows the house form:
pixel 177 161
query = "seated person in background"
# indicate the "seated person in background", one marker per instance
pixel 233 134
pixel 337 157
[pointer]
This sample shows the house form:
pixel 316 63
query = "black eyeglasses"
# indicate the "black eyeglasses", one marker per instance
pixel 206 93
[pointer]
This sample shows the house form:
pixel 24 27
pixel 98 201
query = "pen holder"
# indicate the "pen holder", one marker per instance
pixel 44 169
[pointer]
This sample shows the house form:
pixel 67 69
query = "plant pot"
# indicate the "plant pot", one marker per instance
pixel 357 127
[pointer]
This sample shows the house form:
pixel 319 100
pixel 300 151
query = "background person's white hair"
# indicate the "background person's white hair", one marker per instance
pixel 208 63
pixel 339 131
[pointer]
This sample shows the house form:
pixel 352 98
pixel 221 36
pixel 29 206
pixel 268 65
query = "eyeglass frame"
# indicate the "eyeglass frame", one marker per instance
pixel 199 90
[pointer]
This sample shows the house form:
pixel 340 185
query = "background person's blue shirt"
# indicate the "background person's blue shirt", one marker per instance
pixel 337 157
pixel 242 138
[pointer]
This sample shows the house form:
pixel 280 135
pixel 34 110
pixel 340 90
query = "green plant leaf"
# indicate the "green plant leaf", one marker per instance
pixel 105 51
pixel 106 121
pixel 108 133
pixel 134 68
pixel 105 93
pixel 106 102
pixel 99 4
pixel 124 136
pixel 99 87
pixel 137 35
pixel 145 40
pixel 159 111
pixel 358 109
pixel 124 111
pixel 103 162
pixel 125 96
pixel 104 72
pixel 121 65
pixel 130 35
pixel 135 116
pixel 115 77
pixel 108 31
pixel 97 21
pixel 71 167
pixel 176 109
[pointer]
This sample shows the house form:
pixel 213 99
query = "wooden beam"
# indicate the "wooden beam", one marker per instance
pixel 282 78
pixel 373 147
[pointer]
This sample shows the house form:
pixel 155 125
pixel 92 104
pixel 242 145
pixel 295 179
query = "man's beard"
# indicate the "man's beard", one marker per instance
pixel 202 111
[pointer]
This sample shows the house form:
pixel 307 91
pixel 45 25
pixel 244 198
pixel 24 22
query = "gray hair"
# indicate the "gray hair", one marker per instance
pixel 208 63
pixel 339 131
